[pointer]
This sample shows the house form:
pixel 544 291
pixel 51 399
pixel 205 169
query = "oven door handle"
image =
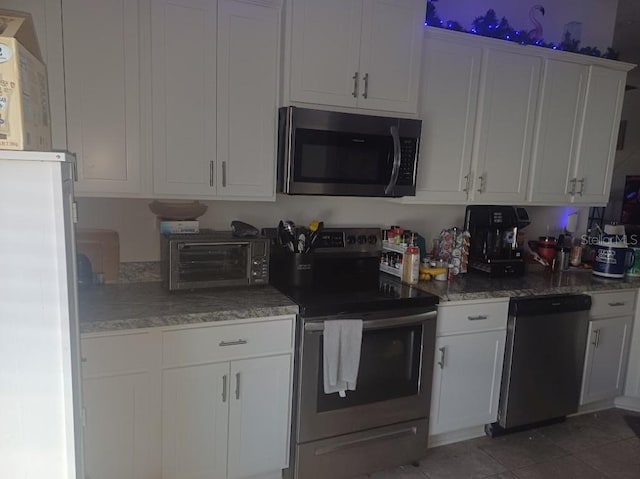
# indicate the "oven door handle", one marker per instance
pixel 395 171
pixel 380 323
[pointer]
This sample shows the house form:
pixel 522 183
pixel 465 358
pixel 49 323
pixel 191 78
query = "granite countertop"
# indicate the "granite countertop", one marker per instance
pixel 479 286
pixel 143 305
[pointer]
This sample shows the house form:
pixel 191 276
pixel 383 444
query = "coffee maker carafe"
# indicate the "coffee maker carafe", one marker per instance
pixel 494 247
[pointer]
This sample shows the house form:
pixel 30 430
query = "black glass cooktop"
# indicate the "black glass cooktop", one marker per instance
pixel 387 295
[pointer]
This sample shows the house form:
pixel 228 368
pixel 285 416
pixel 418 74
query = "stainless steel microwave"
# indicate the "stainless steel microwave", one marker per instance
pixel 344 154
pixel 211 259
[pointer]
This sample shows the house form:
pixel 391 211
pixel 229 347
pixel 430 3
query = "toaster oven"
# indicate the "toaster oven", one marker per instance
pixel 213 259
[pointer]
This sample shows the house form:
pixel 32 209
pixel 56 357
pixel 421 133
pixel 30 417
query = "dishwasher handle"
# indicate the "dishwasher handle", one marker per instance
pixel 553 304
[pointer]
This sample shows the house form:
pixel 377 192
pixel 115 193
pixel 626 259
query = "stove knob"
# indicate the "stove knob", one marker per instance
pixel 351 239
pixel 373 239
pixel 362 239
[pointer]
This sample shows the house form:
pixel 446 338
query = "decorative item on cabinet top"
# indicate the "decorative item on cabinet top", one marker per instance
pixel 177 210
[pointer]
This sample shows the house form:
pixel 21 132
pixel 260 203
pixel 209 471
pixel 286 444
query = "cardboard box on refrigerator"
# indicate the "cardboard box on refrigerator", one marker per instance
pixel 25 123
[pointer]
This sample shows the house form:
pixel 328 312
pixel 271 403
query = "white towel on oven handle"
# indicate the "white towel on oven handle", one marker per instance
pixel 341 355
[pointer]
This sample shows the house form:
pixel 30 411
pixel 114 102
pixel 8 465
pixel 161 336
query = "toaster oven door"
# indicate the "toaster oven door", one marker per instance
pixel 200 265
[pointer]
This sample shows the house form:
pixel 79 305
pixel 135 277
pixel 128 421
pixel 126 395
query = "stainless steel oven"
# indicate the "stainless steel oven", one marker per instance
pixel 331 153
pixel 384 421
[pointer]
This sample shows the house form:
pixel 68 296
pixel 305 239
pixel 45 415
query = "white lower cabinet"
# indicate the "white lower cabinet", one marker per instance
pixel 606 360
pixel 121 407
pixel 209 402
pixel 226 419
pixel 608 342
pixel 468 365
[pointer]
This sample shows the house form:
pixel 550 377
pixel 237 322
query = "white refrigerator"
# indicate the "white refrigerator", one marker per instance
pixel 40 427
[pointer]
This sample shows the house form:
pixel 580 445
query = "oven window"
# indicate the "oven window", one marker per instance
pixel 213 262
pixel 389 368
pixel 339 157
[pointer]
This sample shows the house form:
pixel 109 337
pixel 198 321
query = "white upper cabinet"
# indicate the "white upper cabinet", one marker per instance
pixel 390 52
pixel 215 85
pixel 47 18
pixel 102 83
pixel 183 58
pixel 534 126
pixel 507 108
pixel 447 107
pixel 358 53
pixel 247 98
pixel 576 133
pixel 325 51
pixel 557 130
pixel 600 124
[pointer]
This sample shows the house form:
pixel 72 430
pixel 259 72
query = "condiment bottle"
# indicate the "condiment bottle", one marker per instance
pixel 411 265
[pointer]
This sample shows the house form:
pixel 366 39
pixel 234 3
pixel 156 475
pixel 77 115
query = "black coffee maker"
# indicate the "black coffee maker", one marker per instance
pixel 494 247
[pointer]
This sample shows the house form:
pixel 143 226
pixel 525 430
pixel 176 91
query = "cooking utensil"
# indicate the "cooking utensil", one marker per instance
pixel 302 243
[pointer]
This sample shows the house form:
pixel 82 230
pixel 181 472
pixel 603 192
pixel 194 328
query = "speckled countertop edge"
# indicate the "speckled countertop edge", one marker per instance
pixel 472 286
pixel 87 327
pixel 119 307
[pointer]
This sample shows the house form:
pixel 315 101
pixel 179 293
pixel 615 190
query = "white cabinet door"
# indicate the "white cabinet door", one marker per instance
pixel 259 416
pixel 120 391
pixel 117 431
pixel 183 56
pixel 605 363
pixel 603 107
pixel 507 107
pixel 195 403
pixel 466 380
pixel 448 102
pixel 390 53
pixel 247 107
pixel 102 81
pixel 557 130
pixel 325 50
pixel 47 17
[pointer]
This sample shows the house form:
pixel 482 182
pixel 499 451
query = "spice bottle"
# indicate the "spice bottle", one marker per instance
pixel 411 265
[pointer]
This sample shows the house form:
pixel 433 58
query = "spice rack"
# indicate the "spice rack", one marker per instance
pixel 395 248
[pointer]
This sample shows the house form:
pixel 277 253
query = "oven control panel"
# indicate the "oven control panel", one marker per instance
pixel 349 240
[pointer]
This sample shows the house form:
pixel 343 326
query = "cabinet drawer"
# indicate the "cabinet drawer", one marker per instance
pixel 612 303
pixel 472 317
pixel 118 354
pixel 220 343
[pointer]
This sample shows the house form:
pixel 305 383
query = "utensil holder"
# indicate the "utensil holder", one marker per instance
pixel 292 269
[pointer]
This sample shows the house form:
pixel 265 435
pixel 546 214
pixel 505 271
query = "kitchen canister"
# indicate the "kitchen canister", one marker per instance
pixel 612 257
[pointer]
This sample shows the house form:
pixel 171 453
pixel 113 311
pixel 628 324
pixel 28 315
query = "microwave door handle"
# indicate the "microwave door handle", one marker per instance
pixel 396 161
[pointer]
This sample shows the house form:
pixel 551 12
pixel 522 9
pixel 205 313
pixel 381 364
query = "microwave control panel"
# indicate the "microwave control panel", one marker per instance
pixel 408 147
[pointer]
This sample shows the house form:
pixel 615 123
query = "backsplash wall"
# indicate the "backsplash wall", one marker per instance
pixel 138 227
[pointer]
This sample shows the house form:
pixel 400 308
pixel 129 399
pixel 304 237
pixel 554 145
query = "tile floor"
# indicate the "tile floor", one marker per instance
pixel 597 445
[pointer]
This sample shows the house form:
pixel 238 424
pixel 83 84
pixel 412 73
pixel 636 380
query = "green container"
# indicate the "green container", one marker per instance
pixel 634 269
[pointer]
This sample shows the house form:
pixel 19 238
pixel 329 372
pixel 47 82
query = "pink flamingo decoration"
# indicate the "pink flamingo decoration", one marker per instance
pixel 536 33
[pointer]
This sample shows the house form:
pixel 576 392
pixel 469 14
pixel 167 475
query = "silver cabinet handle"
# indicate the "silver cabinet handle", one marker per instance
pixel 397 158
pixel 224 174
pixel 581 190
pixel 237 385
pixel 224 388
pixel 482 179
pixel 467 178
pixel 365 94
pixel 355 85
pixel 477 318
pixel 573 186
pixel 441 362
pixel 211 173
pixel 233 343
pixel 620 303
pixel 596 341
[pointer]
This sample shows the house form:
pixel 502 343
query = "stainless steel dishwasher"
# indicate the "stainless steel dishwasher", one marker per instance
pixel 544 360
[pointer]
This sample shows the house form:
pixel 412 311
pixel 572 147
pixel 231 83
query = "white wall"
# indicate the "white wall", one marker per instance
pixel 139 235
pixel 597 16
